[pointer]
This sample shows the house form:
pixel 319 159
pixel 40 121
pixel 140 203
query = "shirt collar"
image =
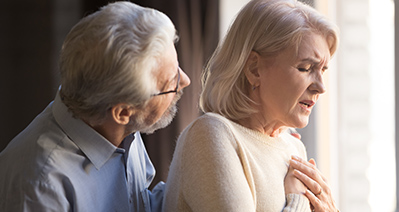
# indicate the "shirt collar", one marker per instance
pixel 97 148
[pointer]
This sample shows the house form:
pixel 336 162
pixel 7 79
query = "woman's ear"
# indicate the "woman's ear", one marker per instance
pixel 121 113
pixel 251 69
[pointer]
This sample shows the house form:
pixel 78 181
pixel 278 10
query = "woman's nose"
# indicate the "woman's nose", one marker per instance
pixel 318 84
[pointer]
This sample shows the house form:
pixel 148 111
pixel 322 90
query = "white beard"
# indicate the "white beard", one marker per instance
pixel 163 122
pixel 167 117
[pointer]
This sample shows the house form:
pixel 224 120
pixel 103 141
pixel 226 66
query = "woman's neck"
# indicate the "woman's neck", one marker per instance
pixel 259 123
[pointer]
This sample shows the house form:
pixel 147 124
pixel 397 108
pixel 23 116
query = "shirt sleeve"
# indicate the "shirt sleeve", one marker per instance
pixel 156 197
pixel 38 196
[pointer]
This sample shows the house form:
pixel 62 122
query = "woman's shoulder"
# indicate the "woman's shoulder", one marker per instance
pixel 294 142
pixel 290 139
pixel 211 121
pixel 209 128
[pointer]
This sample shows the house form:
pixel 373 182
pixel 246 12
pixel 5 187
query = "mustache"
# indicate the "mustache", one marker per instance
pixel 177 97
pixel 167 117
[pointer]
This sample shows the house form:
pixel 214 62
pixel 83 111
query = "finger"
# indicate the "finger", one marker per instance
pixel 312 161
pixel 296 135
pixel 314 201
pixel 312 185
pixel 307 168
pixel 304 162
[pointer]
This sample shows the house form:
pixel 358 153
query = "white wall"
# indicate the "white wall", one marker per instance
pixel 381 172
pixel 366 105
pixel 228 11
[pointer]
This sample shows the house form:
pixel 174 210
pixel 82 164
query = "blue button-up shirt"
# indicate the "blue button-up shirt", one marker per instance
pixel 59 163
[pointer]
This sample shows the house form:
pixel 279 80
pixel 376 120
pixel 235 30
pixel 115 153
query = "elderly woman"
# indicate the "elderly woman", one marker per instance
pixel 264 77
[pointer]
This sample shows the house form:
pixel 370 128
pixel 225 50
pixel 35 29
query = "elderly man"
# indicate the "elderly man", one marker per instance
pixel 120 76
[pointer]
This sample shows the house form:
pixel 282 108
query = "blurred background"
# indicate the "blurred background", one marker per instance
pixel 352 132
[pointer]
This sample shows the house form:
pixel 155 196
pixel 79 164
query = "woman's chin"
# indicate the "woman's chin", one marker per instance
pixel 301 123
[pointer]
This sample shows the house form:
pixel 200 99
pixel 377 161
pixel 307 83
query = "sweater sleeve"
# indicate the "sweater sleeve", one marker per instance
pixel 296 203
pixel 213 177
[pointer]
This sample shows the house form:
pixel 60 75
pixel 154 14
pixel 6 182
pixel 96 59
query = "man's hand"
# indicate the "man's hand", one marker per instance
pixel 294 133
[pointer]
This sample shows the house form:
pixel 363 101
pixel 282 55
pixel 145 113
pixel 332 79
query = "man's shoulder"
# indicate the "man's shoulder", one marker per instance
pixel 41 133
pixel 30 151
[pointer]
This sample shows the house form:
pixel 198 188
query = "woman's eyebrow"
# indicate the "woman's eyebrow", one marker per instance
pixel 311 60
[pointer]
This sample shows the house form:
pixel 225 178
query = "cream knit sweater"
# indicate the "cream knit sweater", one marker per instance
pixel 219 165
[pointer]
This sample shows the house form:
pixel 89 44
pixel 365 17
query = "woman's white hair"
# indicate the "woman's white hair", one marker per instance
pixel 111 56
pixel 266 27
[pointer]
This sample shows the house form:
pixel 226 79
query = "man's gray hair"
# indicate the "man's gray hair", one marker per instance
pixel 111 56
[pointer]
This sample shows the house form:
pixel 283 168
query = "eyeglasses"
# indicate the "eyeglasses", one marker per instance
pixel 171 91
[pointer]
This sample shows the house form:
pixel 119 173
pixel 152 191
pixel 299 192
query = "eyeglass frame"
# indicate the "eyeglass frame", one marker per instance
pixel 171 91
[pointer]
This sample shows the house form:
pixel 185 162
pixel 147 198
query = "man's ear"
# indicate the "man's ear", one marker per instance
pixel 121 113
pixel 251 69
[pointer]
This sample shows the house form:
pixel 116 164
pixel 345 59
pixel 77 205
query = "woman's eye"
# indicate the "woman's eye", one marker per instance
pixel 304 69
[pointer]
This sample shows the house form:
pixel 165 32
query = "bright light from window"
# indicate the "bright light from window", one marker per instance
pixel 382 149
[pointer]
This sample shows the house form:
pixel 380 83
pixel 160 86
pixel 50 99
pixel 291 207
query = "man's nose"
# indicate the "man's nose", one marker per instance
pixel 184 79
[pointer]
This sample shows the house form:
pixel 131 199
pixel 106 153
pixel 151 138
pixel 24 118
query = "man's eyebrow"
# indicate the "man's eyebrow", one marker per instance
pixel 170 81
pixel 174 79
